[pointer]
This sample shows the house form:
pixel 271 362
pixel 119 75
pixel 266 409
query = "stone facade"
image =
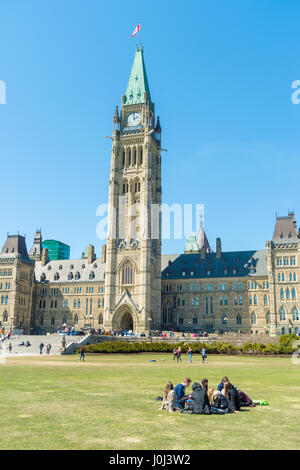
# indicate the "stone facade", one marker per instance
pixel 132 285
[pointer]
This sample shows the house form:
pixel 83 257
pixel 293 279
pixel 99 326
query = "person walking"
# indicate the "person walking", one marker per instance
pixel 48 348
pixel 82 354
pixel 179 354
pixel 190 353
pixel 41 348
pixel 10 347
pixel 174 354
pixel 204 356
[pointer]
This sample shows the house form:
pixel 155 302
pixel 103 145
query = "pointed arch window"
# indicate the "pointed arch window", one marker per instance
pixel 127 273
pixel 238 319
pixel 100 321
pixel 293 293
pixel 295 314
pixel 253 318
pixel 282 312
pixel 268 318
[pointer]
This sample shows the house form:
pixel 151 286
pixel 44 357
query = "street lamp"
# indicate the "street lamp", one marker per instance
pixel 150 320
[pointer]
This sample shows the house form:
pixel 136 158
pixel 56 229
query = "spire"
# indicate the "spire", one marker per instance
pixel 138 82
pixel 36 250
pixel 202 241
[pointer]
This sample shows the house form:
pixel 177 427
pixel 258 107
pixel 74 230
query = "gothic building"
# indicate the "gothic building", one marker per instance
pixel 132 285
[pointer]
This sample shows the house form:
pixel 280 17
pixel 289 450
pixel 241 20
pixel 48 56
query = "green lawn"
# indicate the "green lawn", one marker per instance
pixel 108 402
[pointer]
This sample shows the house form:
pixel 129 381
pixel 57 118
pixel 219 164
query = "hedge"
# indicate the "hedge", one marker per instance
pixel 285 346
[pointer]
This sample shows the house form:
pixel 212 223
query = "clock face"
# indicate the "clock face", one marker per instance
pixel 134 119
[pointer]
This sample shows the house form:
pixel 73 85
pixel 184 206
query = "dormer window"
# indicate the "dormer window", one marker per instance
pixel 183 273
pixel 209 272
pixel 192 273
pixel 225 271
pixel 71 267
pixel 60 267
pixel 77 276
pixel 43 277
pixel 92 275
pixel 49 267
pixel 70 276
pixel 95 266
pixel 83 266
pixel 56 277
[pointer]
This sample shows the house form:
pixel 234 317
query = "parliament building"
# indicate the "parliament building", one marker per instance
pixel 132 285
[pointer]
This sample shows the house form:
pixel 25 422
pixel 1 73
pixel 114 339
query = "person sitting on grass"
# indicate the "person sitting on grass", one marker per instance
pixel 217 400
pixel 201 402
pixel 230 392
pixel 180 393
pixel 221 384
pixel 169 398
pixel 200 399
pixel 245 400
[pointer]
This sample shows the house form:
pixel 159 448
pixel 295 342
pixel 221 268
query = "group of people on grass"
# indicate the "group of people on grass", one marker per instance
pixel 203 400
pixel 178 351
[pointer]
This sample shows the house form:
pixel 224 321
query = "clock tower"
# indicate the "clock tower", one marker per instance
pixel 133 250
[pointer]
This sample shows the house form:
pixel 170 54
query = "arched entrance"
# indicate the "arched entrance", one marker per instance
pixel 127 321
pixel 124 318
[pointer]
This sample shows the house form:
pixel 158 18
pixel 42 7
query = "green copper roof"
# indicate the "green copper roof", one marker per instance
pixel 138 82
pixel 191 245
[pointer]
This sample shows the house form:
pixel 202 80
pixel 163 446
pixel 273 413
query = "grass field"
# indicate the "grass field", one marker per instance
pixel 108 402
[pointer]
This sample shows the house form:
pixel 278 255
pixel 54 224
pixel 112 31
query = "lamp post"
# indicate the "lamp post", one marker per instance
pixel 150 320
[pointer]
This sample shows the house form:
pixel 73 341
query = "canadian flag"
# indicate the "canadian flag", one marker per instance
pixel 137 29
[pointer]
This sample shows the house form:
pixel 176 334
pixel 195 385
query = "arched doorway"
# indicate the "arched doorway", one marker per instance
pixel 127 321
pixel 124 318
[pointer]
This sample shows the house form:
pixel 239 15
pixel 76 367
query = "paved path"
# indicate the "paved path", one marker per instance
pixel 55 340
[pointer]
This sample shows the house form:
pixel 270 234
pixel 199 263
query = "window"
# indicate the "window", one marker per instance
pixel 91 275
pixel 100 321
pixel 281 293
pixel 253 318
pixel 268 318
pixel 282 314
pixel 238 319
pixel 127 274
pixel 295 314
pixel 293 293
pixel 266 300
pixel 224 319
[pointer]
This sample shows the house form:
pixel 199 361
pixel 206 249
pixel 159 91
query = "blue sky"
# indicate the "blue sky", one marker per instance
pixel 220 74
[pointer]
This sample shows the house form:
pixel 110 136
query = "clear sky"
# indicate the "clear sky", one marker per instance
pixel 220 74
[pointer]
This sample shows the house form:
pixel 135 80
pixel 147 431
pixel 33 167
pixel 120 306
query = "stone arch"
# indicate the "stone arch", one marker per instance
pixel 125 317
